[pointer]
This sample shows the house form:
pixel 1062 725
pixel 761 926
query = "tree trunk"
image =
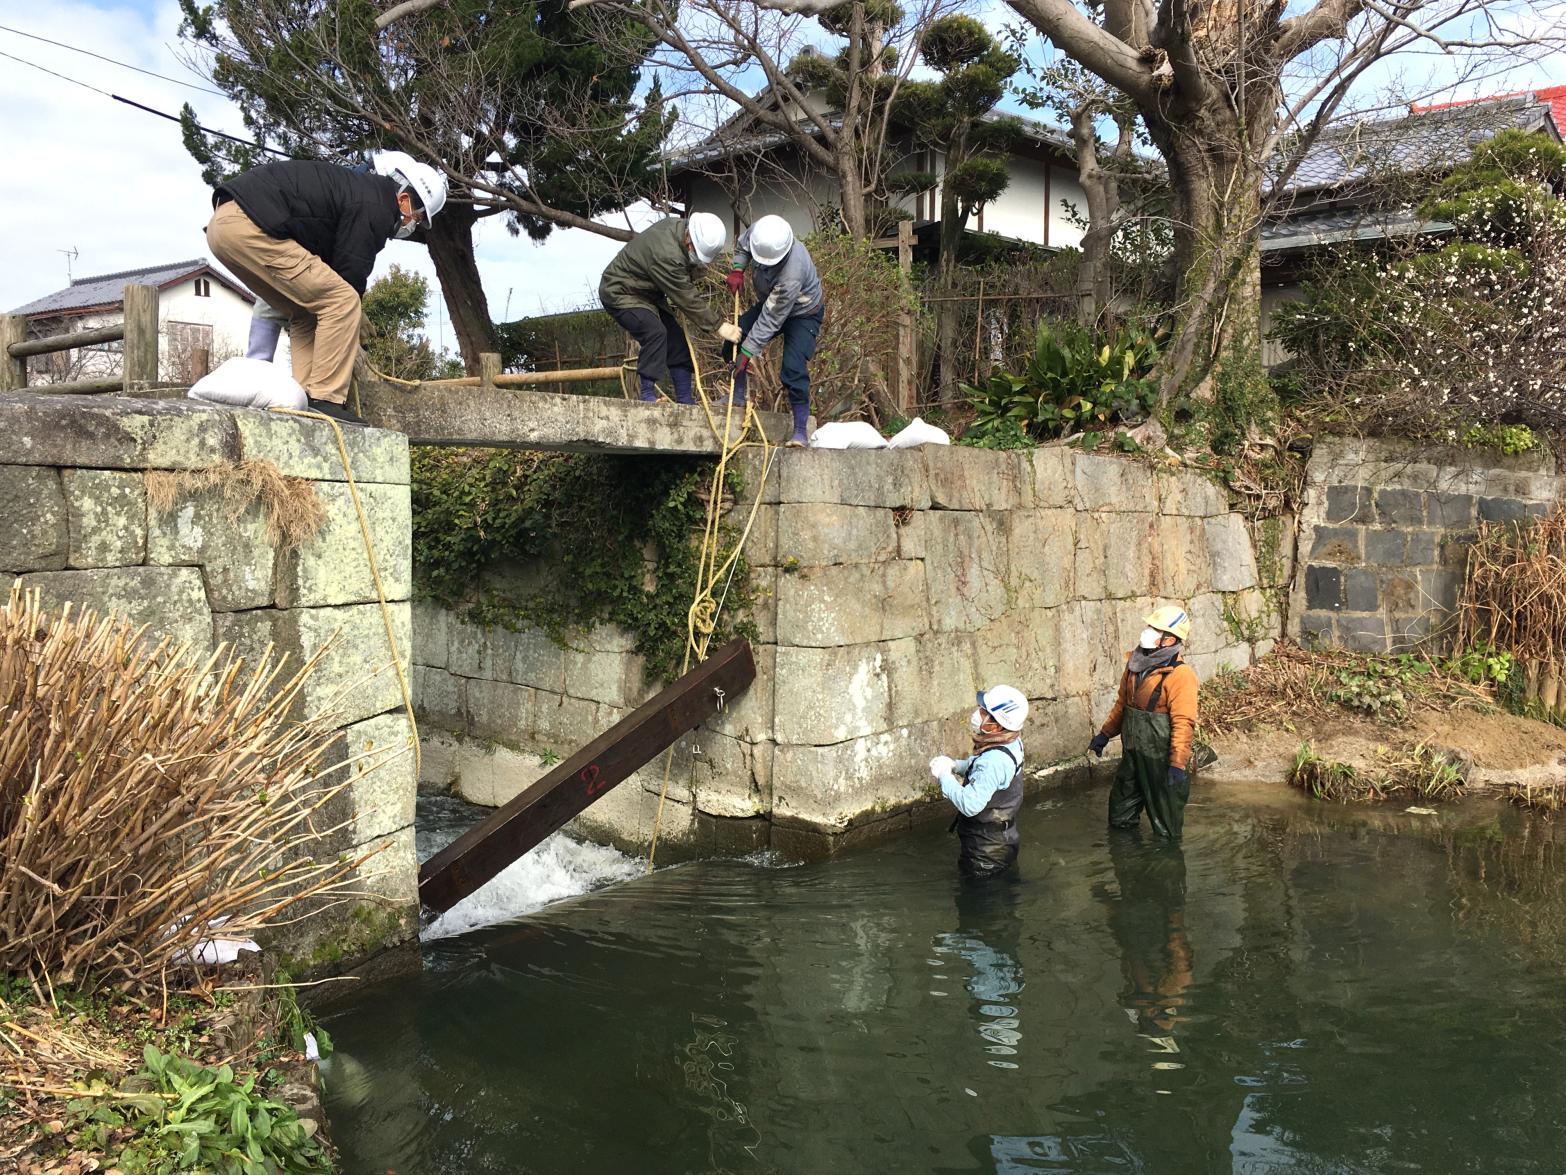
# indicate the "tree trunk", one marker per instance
pixel 948 313
pixel 1102 192
pixel 451 249
pixel 849 155
pixel 1215 183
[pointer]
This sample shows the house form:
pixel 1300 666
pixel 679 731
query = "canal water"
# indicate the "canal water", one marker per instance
pixel 1301 988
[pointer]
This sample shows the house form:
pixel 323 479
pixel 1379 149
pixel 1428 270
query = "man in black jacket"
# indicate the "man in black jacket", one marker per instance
pixel 303 235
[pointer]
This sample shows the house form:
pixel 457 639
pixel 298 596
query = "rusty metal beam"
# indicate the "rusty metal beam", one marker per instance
pixel 485 849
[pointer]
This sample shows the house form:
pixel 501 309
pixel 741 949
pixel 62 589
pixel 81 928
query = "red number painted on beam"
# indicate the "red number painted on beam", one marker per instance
pixel 591 783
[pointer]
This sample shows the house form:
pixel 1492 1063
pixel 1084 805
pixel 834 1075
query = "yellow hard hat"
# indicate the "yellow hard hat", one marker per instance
pixel 1171 618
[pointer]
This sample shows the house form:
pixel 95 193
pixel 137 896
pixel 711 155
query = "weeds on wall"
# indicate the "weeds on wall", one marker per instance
pixel 292 509
pixel 606 539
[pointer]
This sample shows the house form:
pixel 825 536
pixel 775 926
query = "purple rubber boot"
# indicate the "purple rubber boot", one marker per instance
pixel 649 390
pixel 683 388
pixel 801 423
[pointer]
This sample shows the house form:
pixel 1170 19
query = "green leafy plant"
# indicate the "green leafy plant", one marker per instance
pixel 1378 688
pixel 1483 665
pixel 1074 382
pixel 619 535
pixel 1508 438
pixel 189 1117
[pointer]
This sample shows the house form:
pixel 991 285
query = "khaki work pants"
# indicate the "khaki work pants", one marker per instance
pixel 323 311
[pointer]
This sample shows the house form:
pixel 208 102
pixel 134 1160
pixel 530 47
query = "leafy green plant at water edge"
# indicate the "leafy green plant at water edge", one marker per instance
pixel 191 1117
pixel 1073 382
pixel 619 536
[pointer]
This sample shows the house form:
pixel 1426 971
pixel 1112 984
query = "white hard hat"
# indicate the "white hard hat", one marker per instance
pixel 708 236
pixel 771 238
pixel 1006 704
pixel 424 181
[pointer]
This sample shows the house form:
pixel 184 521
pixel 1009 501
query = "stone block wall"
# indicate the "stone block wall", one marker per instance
pixel 1383 533
pixel 893 585
pixel 80 527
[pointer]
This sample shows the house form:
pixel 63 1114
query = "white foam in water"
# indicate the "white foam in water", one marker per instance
pixel 558 868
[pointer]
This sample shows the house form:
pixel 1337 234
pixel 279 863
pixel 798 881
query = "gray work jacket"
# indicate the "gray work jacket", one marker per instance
pixel 789 288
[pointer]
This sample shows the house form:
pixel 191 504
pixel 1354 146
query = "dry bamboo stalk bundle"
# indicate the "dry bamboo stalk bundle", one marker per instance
pixel 1514 600
pixel 146 794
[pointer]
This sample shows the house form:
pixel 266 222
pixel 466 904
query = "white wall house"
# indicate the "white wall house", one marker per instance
pixel 741 173
pixel 199 309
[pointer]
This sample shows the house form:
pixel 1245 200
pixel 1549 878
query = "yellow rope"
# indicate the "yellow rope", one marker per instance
pixel 375 574
pixel 702 618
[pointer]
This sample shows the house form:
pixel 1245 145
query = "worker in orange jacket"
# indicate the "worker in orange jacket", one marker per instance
pixel 1155 717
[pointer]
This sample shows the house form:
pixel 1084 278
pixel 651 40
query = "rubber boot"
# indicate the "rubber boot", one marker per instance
pixel 649 390
pixel 737 396
pixel 683 393
pixel 801 423
pixel 264 333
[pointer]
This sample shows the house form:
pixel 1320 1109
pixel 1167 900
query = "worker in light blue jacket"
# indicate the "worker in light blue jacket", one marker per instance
pixel 790 303
pixel 986 787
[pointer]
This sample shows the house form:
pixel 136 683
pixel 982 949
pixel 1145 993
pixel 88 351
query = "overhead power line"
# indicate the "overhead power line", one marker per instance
pixel 144 107
pixel 112 61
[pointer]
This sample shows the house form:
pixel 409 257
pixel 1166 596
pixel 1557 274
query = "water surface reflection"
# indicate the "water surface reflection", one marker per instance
pixel 1299 989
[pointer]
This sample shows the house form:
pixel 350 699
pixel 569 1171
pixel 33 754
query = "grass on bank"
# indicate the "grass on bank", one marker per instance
pixel 153 800
pixel 1420 772
pixel 101 1082
pixel 1295 687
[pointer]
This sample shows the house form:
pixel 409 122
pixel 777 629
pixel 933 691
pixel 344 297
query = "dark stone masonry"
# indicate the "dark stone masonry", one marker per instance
pixel 1384 532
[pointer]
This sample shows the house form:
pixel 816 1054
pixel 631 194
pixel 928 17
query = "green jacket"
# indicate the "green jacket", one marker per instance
pixel 653 272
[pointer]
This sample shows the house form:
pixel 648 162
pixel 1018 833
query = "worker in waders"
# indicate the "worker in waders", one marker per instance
pixel 652 279
pixel 1155 717
pixel 986 787
pixel 789 302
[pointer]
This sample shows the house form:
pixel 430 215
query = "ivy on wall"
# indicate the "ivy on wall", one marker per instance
pixel 617 536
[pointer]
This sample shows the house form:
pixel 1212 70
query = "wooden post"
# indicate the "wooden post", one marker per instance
pixel 489 368
pixel 13 371
pixel 978 331
pixel 907 358
pixel 140 368
pixel 200 363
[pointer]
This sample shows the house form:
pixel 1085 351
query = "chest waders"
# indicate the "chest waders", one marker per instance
pixel 990 839
pixel 1143 778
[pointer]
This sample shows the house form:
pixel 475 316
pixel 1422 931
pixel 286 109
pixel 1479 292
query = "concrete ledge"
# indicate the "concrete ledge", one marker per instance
pixel 167 431
pixel 506 419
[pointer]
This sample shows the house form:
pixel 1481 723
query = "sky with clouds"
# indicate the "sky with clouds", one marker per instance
pixel 113 183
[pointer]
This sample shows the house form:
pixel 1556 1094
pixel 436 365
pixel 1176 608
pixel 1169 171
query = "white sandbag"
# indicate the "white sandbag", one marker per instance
pixel 847 434
pixel 918 433
pixel 250 383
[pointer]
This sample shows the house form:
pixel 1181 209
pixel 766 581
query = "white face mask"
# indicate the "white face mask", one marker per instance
pixel 1150 638
pixel 976 720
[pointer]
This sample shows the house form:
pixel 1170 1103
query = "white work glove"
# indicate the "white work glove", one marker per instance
pixel 729 332
pixel 941 766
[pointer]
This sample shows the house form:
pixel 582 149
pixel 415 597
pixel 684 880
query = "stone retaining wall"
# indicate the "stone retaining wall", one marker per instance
pixel 73 474
pixel 1383 535
pixel 893 585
